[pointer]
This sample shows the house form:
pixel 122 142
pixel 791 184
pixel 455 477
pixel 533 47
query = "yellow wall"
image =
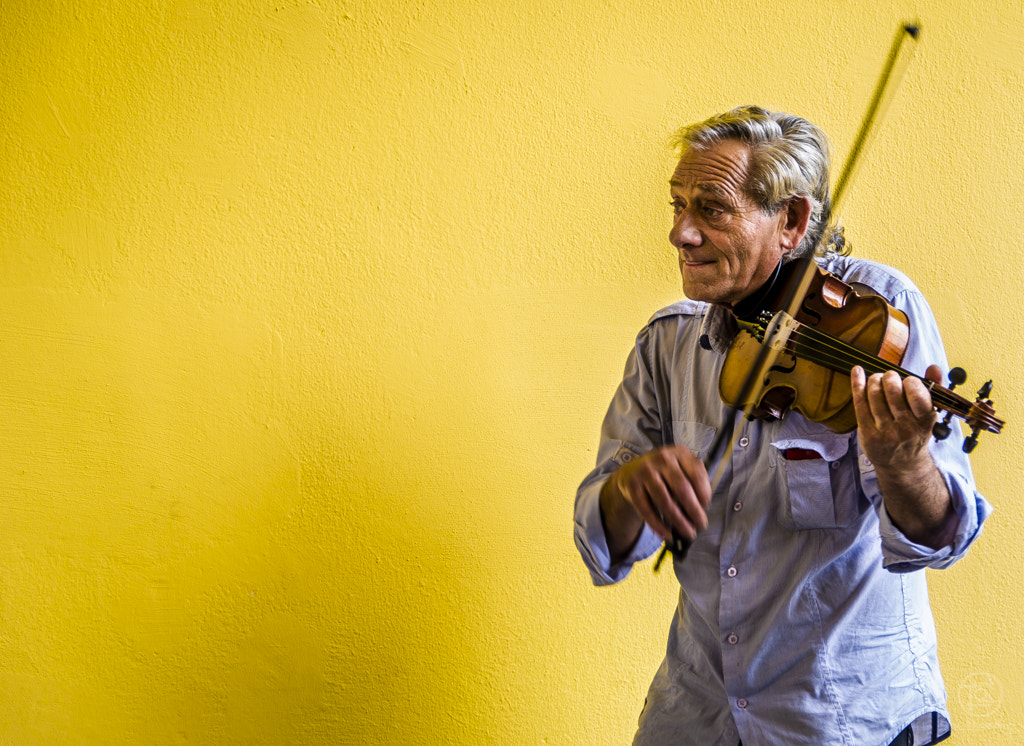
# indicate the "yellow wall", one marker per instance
pixel 309 312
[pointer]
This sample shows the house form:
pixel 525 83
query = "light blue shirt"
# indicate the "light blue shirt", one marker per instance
pixel 803 616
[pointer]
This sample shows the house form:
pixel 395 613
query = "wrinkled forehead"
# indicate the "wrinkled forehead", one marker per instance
pixel 721 169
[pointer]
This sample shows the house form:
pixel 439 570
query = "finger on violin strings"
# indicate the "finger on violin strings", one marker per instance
pixel 908 399
pixel 876 401
pixel 895 392
pixel 858 385
pixel 918 398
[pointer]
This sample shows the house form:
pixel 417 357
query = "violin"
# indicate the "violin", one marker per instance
pixel 836 327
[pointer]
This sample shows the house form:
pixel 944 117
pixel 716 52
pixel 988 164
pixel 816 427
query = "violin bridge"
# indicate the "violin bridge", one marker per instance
pixel 777 331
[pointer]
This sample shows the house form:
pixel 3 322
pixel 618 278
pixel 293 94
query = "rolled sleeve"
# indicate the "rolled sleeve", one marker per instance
pixel 631 428
pixel 900 554
pixel 593 545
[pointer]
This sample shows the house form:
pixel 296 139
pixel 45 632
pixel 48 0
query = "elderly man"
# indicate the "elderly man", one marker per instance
pixel 803 614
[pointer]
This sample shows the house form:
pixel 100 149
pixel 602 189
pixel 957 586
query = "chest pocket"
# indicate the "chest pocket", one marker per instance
pixel 820 487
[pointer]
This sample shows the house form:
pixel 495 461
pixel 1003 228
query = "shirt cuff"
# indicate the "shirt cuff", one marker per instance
pixel 900 554
pixel 593 544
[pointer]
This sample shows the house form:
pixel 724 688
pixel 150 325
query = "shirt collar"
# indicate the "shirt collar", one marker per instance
pixel 718 327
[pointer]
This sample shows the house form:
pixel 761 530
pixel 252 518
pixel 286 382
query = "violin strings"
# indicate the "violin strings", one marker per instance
pixel 836 354
pixel 841 356
pixel 840 362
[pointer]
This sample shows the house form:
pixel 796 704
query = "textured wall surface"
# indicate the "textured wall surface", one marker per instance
pixel 310 310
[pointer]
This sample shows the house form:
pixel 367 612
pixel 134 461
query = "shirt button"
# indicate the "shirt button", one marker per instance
pixel 744 441
pixel 741 703
pixel 835 464
pixel 732 639
pixel 737 506
pixel 731 572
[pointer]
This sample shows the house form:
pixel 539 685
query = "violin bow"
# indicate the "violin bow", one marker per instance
pixel 768 354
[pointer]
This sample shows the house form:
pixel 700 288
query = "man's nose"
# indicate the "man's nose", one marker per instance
pixel 684 232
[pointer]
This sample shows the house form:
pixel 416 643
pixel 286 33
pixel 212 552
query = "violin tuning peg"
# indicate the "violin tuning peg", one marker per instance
pixel 941 429
pixel 956 377
pixel 971 440
pixel 985 391
pixel 969 443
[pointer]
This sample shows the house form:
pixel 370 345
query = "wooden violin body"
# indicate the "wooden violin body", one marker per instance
pixel 792 382
pixel 836 327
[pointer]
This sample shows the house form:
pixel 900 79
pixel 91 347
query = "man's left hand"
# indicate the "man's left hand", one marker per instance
pixel 894 416
pixel 894 424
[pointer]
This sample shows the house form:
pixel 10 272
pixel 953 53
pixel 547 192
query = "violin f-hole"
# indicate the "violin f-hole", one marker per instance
pixel 815 317
pixel 778 369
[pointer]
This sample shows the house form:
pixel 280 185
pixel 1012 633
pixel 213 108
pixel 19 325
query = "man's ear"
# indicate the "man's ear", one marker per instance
pixel 794 226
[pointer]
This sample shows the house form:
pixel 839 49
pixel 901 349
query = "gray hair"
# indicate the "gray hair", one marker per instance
pixel 789 158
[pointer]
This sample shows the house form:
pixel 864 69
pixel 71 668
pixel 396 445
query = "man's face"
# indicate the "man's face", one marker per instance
pixel 727 246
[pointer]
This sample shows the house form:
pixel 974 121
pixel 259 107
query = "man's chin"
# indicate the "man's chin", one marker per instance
pixel 699 291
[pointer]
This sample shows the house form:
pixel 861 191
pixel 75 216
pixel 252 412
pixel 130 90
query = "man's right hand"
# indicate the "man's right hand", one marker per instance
pixel 667 489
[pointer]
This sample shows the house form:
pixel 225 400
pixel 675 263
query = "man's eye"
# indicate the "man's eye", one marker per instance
pixel 677 207
pixel 711 212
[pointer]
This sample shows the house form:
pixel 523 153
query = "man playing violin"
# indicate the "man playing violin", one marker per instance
pixel 803 613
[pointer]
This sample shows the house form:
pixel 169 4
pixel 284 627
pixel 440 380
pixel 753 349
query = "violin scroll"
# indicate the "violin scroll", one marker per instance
pixel 982 405
pixel 978 415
